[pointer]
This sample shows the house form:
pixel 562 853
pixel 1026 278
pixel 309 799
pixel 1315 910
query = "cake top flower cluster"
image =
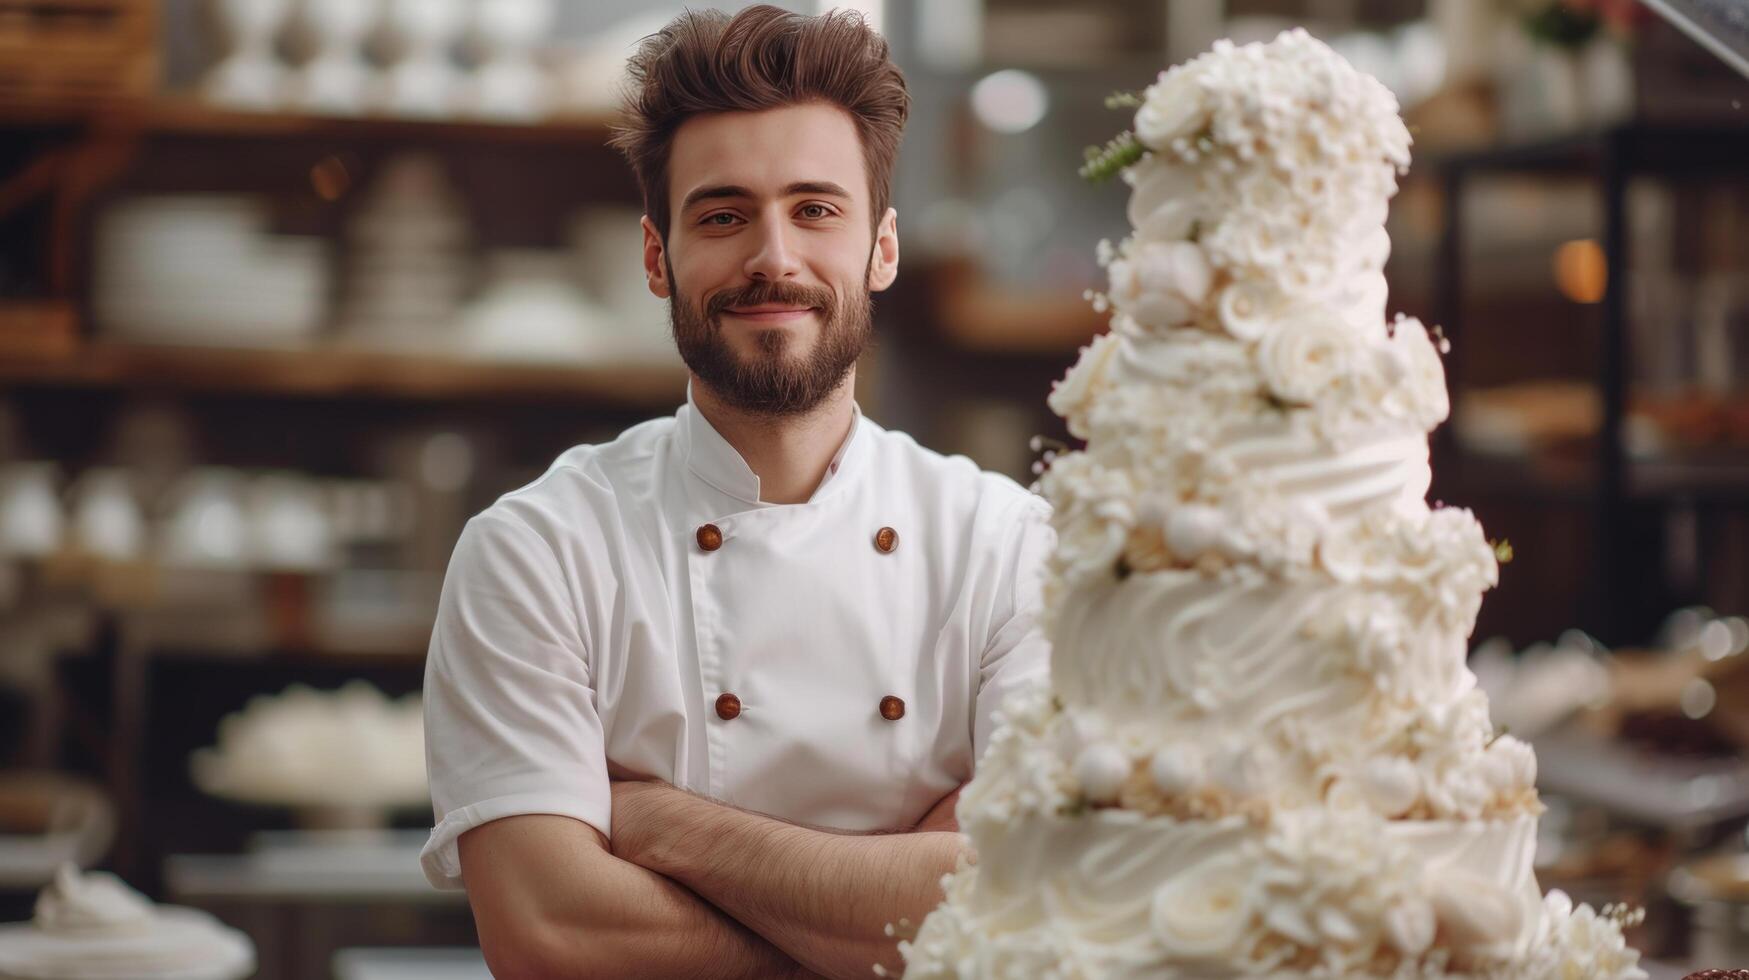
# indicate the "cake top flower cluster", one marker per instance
pixel 1260 176
pixel 1293 99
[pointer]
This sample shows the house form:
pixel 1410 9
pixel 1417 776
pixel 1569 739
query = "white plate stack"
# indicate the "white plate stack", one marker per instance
pixel 607 245
pixel 201 269
pixel 408 261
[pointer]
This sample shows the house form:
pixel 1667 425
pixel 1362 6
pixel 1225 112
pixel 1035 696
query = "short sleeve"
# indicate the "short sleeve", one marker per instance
pixel 1018 654
pixel 510 717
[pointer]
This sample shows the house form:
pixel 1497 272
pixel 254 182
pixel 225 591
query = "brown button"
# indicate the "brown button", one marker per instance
pixel 892 708
pixel 886 539
pixel 728 706
pixel 710 537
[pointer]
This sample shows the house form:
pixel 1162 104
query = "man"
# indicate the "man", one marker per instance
pixel 699 701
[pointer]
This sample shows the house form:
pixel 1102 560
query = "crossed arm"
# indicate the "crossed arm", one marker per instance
pixel 692 887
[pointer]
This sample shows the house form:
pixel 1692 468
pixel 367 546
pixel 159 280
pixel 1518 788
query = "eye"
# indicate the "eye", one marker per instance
pixel 712 221
pixel 816 211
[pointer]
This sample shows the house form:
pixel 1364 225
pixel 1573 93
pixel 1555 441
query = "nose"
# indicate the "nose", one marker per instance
pixel 774 256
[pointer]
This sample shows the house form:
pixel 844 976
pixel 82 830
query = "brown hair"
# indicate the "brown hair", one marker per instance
pixel 762 58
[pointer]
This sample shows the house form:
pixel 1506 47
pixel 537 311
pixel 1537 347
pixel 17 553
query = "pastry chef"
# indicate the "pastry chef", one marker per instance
pixel 699 700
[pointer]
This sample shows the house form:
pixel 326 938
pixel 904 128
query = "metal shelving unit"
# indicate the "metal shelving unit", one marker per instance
pixel 1611 157
pixel 63 164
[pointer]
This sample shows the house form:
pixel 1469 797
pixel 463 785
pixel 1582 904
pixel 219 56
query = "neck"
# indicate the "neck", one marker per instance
pixel 790 455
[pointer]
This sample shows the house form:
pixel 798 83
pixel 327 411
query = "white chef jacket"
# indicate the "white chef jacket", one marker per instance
pixel 585 618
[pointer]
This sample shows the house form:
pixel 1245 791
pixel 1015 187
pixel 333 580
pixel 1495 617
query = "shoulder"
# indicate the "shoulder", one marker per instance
pixel 587 486
pixel 954 481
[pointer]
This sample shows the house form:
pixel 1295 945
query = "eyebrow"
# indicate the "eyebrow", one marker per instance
pixel 823 187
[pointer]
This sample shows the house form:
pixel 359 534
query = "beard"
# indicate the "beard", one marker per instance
pixel 772 382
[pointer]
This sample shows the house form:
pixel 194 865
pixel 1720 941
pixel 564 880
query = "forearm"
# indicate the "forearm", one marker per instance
pixel 652 926
pixel 551 901
pixel 823 898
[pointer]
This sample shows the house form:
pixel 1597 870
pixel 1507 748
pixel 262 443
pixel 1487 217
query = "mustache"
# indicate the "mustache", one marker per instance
pixel 762 291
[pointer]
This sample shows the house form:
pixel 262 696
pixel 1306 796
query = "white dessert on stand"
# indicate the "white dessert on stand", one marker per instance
pixel 343 759
pixel 1261 752
pixel 92 926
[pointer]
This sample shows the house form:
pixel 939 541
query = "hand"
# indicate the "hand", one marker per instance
pixel 941 816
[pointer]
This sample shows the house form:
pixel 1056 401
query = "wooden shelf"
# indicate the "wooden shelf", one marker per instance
pixel 1716 476
pixel 976 315
pixel 1033 324
pixel 281 658
pixel 187 116
pixel 339 372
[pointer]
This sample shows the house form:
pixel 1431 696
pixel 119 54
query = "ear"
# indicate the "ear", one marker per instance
pixel 655 268
pixel 883 263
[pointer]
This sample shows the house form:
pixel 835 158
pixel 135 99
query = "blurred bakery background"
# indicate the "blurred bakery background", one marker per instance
pixel 290 288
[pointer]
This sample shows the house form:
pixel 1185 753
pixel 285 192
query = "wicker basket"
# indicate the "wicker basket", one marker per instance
pixel 76 54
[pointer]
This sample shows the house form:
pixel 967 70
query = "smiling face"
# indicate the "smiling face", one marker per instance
pixel 771 254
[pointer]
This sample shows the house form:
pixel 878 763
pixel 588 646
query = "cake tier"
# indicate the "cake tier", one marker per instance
pixel 1209 241
pixel 1337 385
pixel 1316 894
pixel 1263 189
pixel 1263 492
pixel 1192 460
pixel 1337 745
pixel 1376 467
pixel 1164 410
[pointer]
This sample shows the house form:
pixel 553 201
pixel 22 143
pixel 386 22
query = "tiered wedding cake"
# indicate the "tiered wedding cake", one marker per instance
pixel 1261 753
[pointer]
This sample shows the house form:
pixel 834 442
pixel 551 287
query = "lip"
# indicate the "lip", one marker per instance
pixel 771 315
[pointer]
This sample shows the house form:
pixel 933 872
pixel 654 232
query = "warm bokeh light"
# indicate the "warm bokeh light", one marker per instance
pixel 330 178
pixel 1580 271
pixel 1010 101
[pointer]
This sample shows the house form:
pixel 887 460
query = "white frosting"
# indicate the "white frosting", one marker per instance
pixel 1119 894
pixel 1261 751
pixel 1254 746
pixel 1177 769
pixel 1391 785
pixel 1276 161
pixel 1100 771
pixel 1192 530
pixel 1476 913
pixel 1411 926
pixel 1163 283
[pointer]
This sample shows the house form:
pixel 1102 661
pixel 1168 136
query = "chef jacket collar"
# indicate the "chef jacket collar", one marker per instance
pixel 713 460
